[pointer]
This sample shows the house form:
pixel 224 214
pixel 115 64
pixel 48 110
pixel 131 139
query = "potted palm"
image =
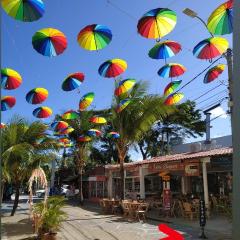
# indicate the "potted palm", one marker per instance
pixel 50 216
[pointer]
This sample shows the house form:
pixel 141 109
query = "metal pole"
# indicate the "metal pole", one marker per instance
pixel 208 127
pixel 235 121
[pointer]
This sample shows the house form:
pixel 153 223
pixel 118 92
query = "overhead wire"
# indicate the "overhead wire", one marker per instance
pixel 221 100
pixel 218 93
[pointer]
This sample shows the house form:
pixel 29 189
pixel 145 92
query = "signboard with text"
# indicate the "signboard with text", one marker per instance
pixel 192 169
pixel 170 166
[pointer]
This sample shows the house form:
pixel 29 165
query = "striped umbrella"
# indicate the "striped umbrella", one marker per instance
pixel 71 114
pixel 94 132
pixel 10 79
pixel 171 70
pixel 84 139
pixel 86 101
pixel 171 87
pixel 122 105
pixel 72 81
pixel 114 135
pixel 98 120
pixel 124 86
pixel 24 10
pixel 37 95
pixel 213 73
pixel 174 98
pixel 94 37
pixel 7 102
pixel 42 112
pixel 59 125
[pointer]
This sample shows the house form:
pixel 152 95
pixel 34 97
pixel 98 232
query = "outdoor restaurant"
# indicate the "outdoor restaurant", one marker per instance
pixel 172 183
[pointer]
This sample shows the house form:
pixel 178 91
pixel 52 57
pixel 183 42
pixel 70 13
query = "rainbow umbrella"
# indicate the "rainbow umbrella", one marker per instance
pixel 173 98
pixel 210 48
pixel 3 125
pixel 171 87
pixel 59 125
pixel 124 86
pixel 86 101
pixel 112 68
pixel 220 21
pixel 7 102
pixel 64 140
pixel 65 131
pixel 72 81
pixel 37 95
pixel 10 79
pixel 49 42
pixel 94 132
pixel 71 114
pixel 97 120
pixel 24 10
pixel 213 73
pixel 42 112
pixel 165 49
pixel 171 70
pixel 84 139
pixel 114 135
pixel 94 37
pixel 123 104
pixel 157 23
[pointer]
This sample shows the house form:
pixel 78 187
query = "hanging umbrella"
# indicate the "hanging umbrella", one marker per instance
pixel 173 98
pixel 64 140
pixel 65 131
pixel 220 21
pixel 37 95
pixel 213 73
pixel 24 10
pixel 72 81
pixel 124 86
pixel 70 115
pixel 7 102
pixel 84 139
pixel 165 49
pixel 171 70
pixel 3 125
pixel 97 120
pixel 171 87
pixel 94 132
pixel 123 104
pixel 59 125
pixel 157 23
pixel 113 135
pixel 42 112
pixel 210 48
pixel 10 79
pixel 112 68
pixel 86 101
pixel 94 37
pixel 49 42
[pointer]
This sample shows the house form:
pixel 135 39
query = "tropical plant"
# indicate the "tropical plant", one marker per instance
pixel 135 120
pixel 24 147
pixel 49 215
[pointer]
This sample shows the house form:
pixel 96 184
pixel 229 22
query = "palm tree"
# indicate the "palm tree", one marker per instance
pixel 24 146
pixel 136 119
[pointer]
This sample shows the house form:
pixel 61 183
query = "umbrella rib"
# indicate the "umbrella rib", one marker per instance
pixel 157 29
pixel 95 40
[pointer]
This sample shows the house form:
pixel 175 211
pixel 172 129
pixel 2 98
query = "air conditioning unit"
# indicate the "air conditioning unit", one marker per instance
pixel 196 147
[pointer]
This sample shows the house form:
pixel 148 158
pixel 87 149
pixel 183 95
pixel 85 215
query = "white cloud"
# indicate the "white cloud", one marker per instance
pixel 217 112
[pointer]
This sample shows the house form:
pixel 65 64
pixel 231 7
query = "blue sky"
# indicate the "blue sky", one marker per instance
pixel 121 17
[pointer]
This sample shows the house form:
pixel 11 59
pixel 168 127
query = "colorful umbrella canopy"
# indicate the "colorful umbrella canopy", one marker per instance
pixel 24 10
pixel 165 49
pixel 86 101
pixel 64 140
pixel 49 42
pixel 112 68
pixel 3 125
pixel 84 139
pixel 210 48
pixel 113 135
pixel 220 21
pixel 37 95
pixel 10 79
pixel 123 104
pixel 65 131
pixel 94 37
pixel 7 102
pixel 70 115
pixel 171 70
pixel 157 23
pixel 124 86
pixel 42 112
pixel 171 87
pixel 94 132
pixel 173 98
pixel 213 73
pixel 72 81
pixel 59 125
pixel 97 120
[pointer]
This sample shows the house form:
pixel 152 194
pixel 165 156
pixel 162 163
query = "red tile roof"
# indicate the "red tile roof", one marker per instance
pixel 180 156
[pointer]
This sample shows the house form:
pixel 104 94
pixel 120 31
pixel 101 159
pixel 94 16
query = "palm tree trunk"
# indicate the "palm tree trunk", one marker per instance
pixel 121 178
pixel 2 191
pixel 80 170
pixel 16 200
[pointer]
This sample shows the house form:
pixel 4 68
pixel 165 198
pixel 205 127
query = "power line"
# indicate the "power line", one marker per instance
pixel 218 93
pixel 213 103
